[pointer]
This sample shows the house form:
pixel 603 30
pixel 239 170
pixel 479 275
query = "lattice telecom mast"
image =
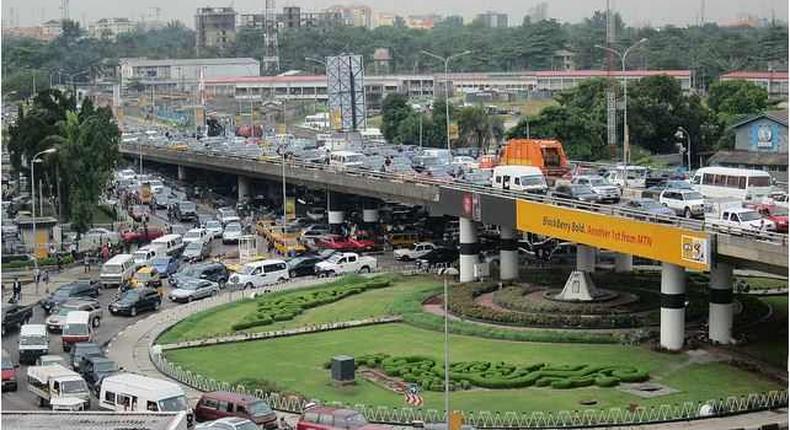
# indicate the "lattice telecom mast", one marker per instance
pixel 271 49
pixel 611 97
pixel 64 10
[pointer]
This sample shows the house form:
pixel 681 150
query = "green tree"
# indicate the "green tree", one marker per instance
pixel 730 98
pixel 477 128
pixel 394 110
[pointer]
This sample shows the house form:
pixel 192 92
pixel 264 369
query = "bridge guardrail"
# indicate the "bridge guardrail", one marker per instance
pixel 613 210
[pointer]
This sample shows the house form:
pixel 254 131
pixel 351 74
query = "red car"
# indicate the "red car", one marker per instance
pixel 346 244
pixel 9 374
pixel 324 418
pixel 777 214
pixel 141 235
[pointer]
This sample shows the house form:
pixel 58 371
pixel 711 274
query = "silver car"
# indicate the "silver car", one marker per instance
pixel 57 319
pixel 194 289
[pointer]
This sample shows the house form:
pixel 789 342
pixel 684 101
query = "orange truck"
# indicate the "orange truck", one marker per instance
pixel 547 155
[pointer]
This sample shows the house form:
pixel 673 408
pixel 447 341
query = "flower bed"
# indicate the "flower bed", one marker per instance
pixel 429 374
pixel 286 307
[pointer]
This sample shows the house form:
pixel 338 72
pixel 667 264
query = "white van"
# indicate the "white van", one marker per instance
pixel 728 182
pixel 145 254
pixel 519 178
pixel 632 176
pixel 117 271
pixel 54 382
pixel 260 273
pixel 33 342
pixel 196 235
pixel 346 159
pixel 128 392
pixel 173 244
pixel 78 328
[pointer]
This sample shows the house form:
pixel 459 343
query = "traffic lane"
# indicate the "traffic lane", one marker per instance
pixel 111 325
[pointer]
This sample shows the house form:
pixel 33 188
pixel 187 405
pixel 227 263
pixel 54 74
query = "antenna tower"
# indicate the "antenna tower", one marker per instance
pixel 271 49
pixel 611 98
pixel 64 10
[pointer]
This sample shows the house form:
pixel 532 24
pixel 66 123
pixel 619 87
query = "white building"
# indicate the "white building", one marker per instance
pixel 111 27
pixel 186 72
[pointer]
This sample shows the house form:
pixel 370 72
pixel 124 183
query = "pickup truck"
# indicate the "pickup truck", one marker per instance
pixel 744 218
pixel 15 316
pixel 603 189
pixel 54 382
pixel 342 263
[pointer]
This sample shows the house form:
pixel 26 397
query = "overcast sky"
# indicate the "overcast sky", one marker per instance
pixel 635 12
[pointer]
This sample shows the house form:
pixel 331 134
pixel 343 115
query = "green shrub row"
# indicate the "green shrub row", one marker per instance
pixel 48 261
pixel 278 308
pixel 429 374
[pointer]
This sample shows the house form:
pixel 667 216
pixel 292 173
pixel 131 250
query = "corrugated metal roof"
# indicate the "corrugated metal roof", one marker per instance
pixel 779 116
pixel 604 73
pixel 43 420
pixel 137 62
pixel 744 74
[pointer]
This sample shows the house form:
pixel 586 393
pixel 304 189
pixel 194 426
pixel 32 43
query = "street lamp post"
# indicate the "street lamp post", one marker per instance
pixel 33 195
pixel 446 61
pixel 679 134
pixel 626 144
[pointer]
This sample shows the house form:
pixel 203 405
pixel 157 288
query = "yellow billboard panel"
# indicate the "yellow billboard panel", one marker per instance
pixel 687 248
pixel 290 208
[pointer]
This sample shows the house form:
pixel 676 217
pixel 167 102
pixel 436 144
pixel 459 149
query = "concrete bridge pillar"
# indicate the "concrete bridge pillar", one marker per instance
pixel 182 173
pixel 623 263
pixel 720 310
pixel 335 215
pixel 673 306
pixel 585 258
pixel 468 249
pixel 244 187
pixel 508 254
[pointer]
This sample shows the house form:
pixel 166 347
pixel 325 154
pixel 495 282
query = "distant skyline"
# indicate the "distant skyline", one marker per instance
pixel 634 12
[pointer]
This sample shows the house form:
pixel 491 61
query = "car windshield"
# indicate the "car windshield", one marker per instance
pixel 73 387
pixel 186 206
pixel 296 261
pixel 749 216
pixel 131 295
pixel 192 235
pixel 355 421
pixel 188 271
pixel 63 291
pixel 334 258
pixel 679 185
pixel 692 196
pixel 32 340
pixel 178 403
pixel 160 261
pixel 194 246
pixel 213 224
pixel 140 255
pixel 233 228
pixel 189 286
pixel 112 269
pixel 649 204
pixel 259 408
pixel 6 363
pixel 532 180
pixel 63 311
pixel 598 182
pixel 75 329
pixel 581 189
pixel 105 366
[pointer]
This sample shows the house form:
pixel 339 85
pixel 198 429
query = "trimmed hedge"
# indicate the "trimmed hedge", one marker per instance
pixel 48 261
pixel 429 374
pixel 271 309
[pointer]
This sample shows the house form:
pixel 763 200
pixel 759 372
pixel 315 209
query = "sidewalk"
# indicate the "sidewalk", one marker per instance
pixel 29 293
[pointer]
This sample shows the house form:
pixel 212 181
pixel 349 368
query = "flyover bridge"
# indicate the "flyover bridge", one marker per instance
pixel 678 243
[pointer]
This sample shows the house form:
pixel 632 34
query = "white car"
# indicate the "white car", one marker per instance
pixel 316 214
pixel 196 235
pixel 346 262
pixel 260 273
pixel 417 250
pixel 214 228
pixel 687 203
pixel 194 289
pixel 744 218
pixel 228 423
pixel 232 233
pixel 227 216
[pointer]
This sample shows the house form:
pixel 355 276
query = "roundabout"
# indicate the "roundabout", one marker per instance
pixel 500 369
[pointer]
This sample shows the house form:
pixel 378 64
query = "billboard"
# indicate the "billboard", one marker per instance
pixel 345 79
pixel 686 248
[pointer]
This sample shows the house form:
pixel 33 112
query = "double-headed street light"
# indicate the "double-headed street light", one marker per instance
pixel 680 133
pixel 446 61
pixel 623 56
pixel 33 162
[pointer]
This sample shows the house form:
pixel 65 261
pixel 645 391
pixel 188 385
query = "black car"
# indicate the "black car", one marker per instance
pixel 582 193
pixel 15 316
pixel 438 257
pixel 216 272
pixel 186 211
pixel 135 300
pixel 76 289
pixel 95 368
pixel 302 265
pixel 82 350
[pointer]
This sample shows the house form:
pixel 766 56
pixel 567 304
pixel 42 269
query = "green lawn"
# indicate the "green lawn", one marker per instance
pixel 762 283
pixel 771 346
pixel 295 364
pixel 219 321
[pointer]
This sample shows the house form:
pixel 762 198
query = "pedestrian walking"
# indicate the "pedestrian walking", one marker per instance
pixel 105 253
pixel 59 260
pixel 17 290
pixel 86 263
pixel 36 277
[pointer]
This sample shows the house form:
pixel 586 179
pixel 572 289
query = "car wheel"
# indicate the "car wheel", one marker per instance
pixel 281 280
pixel 364 269
pixel 189 299
pixel 133 311
pixel 292 274
pixel 96 322
pixel 156 305
pixel 687 213
pixel 248 285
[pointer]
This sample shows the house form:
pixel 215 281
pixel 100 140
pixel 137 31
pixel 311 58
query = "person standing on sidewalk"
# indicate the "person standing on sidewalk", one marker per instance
pixel 37 277
pixel 17 290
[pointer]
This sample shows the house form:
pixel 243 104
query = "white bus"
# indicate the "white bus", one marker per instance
pixel 519 178
pixel 729 182
pixel 633 176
